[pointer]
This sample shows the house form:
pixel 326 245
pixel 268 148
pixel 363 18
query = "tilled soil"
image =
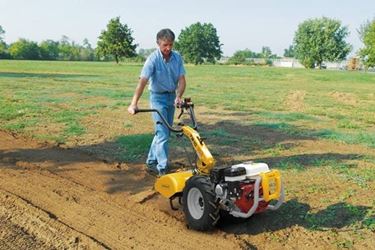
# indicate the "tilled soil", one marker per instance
pixel 58 198
pixel 61 198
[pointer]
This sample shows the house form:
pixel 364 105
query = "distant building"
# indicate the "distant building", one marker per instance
pixel 294 63
pixel 287 62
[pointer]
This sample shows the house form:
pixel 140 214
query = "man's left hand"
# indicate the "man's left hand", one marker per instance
pixel 177 101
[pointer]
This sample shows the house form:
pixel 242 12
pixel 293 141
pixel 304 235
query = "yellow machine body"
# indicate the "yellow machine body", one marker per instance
pixel 205 160
pixel 267 179
pixel 171 184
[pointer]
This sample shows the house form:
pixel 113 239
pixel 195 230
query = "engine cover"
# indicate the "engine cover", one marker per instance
pixel 217 174
pixel 235 174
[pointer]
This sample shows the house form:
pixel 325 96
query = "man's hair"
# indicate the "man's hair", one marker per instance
pixel 165 34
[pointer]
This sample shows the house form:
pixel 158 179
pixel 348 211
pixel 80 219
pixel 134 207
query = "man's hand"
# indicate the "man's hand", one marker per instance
pixel 177 101
pixel 132 109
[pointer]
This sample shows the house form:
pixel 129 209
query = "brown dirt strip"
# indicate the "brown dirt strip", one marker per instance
pixel 58 198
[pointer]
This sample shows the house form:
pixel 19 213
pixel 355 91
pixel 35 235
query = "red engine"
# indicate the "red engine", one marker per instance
pixel 246 199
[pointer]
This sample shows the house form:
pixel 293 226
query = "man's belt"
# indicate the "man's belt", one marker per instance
pixel 164 92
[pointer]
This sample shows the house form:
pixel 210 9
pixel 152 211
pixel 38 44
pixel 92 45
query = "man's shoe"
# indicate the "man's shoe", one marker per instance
pixel 162 172
pixel 152 170
pixel 152 164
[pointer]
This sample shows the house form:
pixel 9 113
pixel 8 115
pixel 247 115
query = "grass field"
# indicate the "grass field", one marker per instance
pixel 327 104
pixel 317 126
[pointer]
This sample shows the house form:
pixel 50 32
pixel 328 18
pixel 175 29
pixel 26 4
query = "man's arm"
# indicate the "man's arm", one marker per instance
pixel 137 94
pixel 180 89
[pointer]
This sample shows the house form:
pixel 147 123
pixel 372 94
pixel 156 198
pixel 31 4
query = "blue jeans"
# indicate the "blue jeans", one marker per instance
pixel 158 154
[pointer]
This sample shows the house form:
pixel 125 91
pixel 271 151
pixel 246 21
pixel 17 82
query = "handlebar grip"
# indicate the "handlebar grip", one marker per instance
pixel 143 110
pixel 164 121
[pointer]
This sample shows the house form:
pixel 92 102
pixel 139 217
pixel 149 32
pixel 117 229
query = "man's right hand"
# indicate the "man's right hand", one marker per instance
pixel 132 109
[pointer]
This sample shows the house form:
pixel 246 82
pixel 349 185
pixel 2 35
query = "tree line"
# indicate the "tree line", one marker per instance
pixel 64 49
pixel 315 41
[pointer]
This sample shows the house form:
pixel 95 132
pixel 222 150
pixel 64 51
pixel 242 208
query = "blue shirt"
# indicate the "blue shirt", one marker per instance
pixel 163 75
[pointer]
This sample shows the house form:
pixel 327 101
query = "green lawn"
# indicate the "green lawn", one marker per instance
pixel 336 105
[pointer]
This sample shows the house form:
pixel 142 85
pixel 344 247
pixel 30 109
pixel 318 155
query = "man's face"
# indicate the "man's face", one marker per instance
pixel 165 46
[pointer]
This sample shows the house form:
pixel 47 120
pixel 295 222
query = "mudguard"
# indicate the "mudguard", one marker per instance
pixel 171 184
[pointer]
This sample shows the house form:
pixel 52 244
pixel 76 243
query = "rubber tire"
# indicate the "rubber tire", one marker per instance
pixel 210 216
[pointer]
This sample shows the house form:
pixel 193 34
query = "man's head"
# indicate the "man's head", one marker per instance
pixel 165 39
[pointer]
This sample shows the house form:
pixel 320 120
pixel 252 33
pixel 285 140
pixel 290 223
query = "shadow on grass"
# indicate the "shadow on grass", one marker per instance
pixel 89 164
pixel 305 161
pixel 40 75
pixel 293 213
pixel 230 140
pixel 225 139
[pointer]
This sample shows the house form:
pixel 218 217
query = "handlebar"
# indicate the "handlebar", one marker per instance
pixel 187 105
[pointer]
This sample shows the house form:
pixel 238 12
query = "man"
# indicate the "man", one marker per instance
pixel 165 71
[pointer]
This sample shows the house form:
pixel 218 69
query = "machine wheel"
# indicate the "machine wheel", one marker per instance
pixel 200 204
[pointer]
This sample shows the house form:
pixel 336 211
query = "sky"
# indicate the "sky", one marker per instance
pixel 240 24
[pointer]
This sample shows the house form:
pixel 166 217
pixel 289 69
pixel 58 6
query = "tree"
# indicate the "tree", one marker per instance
pixel 320 39
pixel 266 52
pixel 68 50
pixel 145 52
pixel 87 53
pixel 199 43
pixel 242 57
pixel 3 45
pixel 49 50
pixel 267 55
pixel 289 52
pixel 367 35
pixel 2 32
pixel 117 40
pixel 24 49
pixel 64 48
pixel 3 50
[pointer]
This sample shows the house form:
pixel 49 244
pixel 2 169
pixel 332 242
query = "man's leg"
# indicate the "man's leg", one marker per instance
pixel 151 158
pixel 159 149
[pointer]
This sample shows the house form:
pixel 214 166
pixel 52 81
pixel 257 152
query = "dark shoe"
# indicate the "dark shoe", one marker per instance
pixel 152 164
pixel 152 170
pixel 162 172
